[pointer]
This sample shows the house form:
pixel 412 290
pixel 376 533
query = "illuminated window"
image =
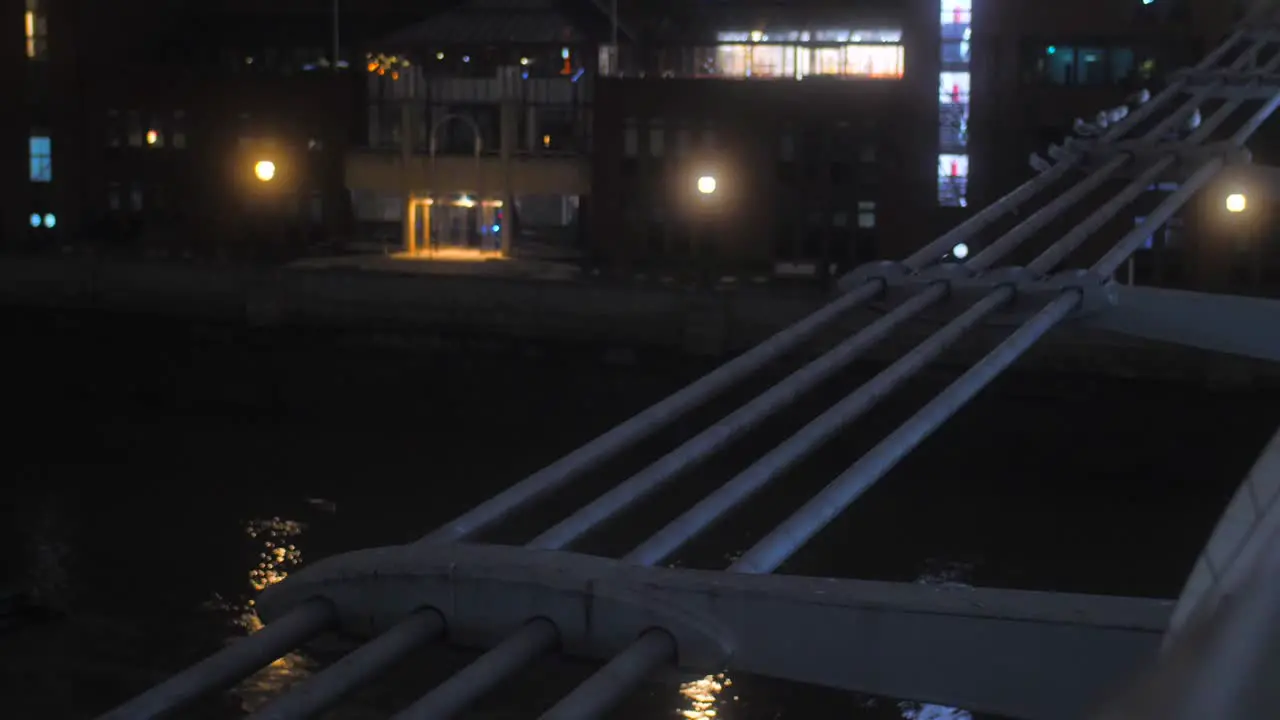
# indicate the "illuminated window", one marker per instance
pixel 732 60
pixel 766 61
pixel 953 178
pixel 859 59
pixel 37 31
pixel 953 88
pixel 828 61
pixel 957 12
pixel 879 61
pixel 41 151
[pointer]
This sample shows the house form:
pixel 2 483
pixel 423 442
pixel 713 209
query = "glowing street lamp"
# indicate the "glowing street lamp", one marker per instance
pixel 264 170
pixel 960 251
pixel 706 185
pixel 1237 203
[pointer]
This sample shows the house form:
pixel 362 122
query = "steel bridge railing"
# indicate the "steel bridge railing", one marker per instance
pixel 1145 158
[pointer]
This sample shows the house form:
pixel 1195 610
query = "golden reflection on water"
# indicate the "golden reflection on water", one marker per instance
pixel 278 555
pixel 703 695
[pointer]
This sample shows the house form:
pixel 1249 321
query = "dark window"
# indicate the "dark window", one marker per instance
pixel 1091 66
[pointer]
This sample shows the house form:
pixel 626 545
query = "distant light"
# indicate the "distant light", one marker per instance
pixel 466 58
pixel 35 220
pixel 1237 202
pixel 564 53
pixel 1147 2
pixel 466 202
pixel 496 229
pixel 524 61
pixel 50 220
pixel 264 170
pixel 439 56
pixel 706 185
pixel 546 141
pixel 1051 49
pixel 756 36
pixel 960 251
pixel 153 137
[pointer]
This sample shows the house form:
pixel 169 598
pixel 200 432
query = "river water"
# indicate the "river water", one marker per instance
pixel 160 473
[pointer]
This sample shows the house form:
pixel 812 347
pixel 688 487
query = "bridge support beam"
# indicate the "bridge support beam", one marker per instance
pixel 1009 652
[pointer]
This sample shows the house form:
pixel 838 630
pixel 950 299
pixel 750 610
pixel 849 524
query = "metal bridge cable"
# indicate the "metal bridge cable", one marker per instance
pixel 327 688
pixel 472 682
pixel 799 446
pixel 1117 256
pixel 235 662
pixel 813 435
pixel 766 555
pixel 719 435
pixel 1200 95
pixel 1038 220
pixel 651 420
pixel 613 682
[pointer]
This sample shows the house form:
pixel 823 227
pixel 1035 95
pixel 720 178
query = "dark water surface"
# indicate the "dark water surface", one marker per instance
pixel 157 473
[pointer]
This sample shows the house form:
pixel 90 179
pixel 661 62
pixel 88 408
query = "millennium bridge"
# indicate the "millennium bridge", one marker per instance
pixel 1212 653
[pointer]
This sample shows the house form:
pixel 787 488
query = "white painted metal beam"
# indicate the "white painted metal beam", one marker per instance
pixel 1230 324
pixel 1023 654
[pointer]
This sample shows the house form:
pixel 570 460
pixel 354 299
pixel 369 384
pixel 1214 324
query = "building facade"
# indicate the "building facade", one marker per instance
pixel 802 137
pixel 809 123
pixel 142 129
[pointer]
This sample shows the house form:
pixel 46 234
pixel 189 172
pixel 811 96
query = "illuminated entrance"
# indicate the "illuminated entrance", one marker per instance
pixel 458 227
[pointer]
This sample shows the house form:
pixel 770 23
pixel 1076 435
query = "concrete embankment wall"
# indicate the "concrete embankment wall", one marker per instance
pixel 713 322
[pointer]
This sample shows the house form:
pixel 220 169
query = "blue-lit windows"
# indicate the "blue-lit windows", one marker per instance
pixel 1093 65
pixel 1060 65
pixel 41 152
pixel 953 103
pixel 955 51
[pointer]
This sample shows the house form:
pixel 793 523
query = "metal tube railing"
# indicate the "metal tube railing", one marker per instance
pixel 786 539
pixel 613 682
pixel 236 662
pixel 327 688
pixel 472 682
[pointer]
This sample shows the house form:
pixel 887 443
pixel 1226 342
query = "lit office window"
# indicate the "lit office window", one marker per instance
pixel 877 61
pixel 953 179
pixel 41 151
pixel 855 60
pixel 37 31
pixel 954 97
pixel 733 60
pixel 828 61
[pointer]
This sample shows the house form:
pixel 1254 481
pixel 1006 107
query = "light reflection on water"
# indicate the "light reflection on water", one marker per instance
pixel 277 555
pixel 702 696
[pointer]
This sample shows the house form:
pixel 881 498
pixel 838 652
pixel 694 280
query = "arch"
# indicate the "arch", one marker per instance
pixel 466 120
